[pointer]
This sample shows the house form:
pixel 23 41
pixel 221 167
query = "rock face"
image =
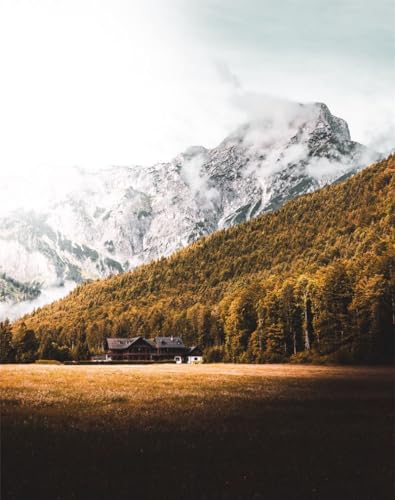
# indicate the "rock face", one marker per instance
pixel 111 220
pixel 11 289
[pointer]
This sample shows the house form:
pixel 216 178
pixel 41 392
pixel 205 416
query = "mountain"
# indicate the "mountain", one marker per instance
pixel 110 221
pixel 314 278
pixel 16 291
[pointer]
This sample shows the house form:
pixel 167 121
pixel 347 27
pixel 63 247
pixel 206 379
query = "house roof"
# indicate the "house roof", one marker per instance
pixel 121 344
pixel 175 342
pixel 195 351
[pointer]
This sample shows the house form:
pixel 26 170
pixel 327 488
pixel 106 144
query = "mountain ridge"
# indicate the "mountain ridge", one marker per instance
pixel 314 276
pixel 109 222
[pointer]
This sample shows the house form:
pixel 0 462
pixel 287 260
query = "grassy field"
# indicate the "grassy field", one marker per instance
pixel 205 432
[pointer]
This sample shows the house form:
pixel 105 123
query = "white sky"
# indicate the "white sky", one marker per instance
pixel 116 82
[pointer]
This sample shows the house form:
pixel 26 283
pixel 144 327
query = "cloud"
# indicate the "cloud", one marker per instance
pixel 138 82
pixel 226 75
pixel 383 140
pixel 15 310
pixel 271 126
pixel 276 134
pixel 197 180
pixel 323 169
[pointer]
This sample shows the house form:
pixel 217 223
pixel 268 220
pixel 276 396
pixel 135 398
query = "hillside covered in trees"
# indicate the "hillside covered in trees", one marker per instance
pixel 313 280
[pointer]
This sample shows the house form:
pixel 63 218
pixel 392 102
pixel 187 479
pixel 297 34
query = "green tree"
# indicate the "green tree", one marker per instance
pixel 304 290
pixel 372 312
pixel 81 351
pixel 50 349
pixel 7 351
pixel 26 344
pixel 332 298
pixel 291 318
pixel 240 323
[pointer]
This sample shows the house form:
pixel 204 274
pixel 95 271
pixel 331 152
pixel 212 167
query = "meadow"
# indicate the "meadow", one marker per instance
pixel 202 431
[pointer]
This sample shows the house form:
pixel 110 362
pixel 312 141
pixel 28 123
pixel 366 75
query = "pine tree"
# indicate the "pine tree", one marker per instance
pixel 26 345
pixel 81 351
pixel 371 308
pixel 333 297
pixel 7 351
pixel 304 287
pixel 290 315
pixel 240 323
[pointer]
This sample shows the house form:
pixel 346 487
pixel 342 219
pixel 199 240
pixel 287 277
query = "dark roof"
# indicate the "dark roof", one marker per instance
pixel 175 342
pixel 195 351
pixel 120 344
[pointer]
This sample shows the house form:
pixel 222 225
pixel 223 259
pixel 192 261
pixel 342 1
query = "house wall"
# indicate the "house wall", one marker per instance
pixel 195 359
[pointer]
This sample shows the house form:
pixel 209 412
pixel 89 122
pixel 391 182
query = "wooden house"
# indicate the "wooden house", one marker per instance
pixel 134 349
pixel 169 347
pixel 140 349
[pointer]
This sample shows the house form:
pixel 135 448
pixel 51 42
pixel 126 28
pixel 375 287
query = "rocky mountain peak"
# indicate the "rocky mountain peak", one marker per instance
pixel 112 220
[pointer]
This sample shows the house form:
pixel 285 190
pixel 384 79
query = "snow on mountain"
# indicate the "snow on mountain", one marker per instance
pixel 109 221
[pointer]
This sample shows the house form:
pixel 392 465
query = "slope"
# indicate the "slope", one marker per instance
pixel 314 277
pixel 97 223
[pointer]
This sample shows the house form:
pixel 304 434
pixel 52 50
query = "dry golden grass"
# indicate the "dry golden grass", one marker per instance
pixel 39 386
pixel 153 390
pixel 239 428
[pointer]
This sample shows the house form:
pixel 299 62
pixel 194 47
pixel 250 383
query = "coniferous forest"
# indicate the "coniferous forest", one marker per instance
pixel 313 281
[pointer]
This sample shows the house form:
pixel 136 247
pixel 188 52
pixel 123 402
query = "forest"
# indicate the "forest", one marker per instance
pixel 311 282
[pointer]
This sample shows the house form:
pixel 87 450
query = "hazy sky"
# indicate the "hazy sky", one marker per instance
pixel 101 82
